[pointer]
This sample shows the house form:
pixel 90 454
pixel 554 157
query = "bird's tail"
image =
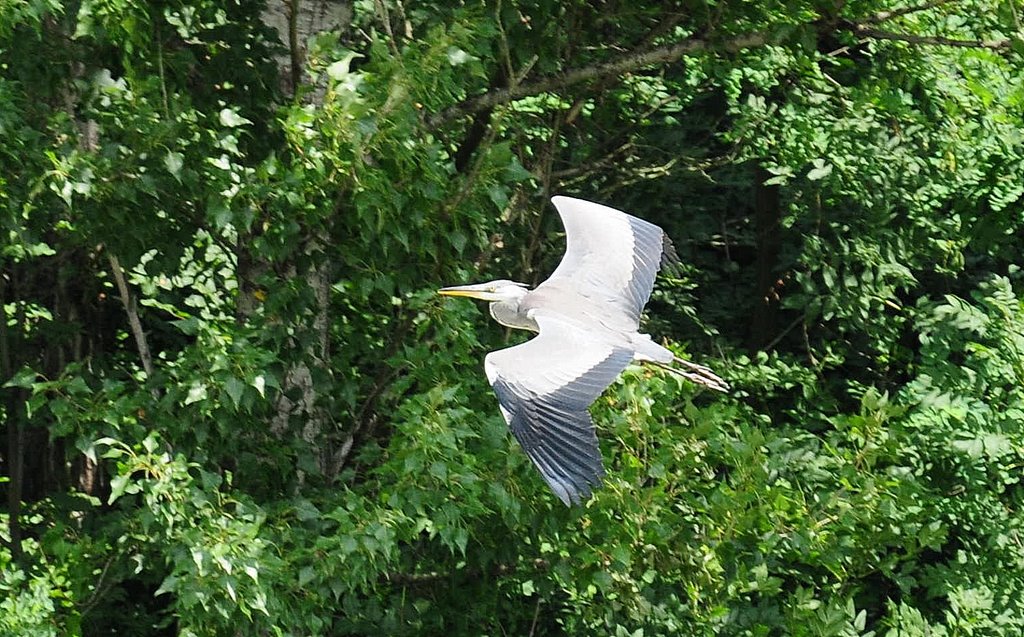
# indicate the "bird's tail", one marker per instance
pixel 695 373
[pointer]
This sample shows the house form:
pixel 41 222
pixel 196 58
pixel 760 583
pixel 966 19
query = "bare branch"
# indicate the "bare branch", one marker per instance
pixel 585 170
pixel 99 589
pixel 506 54
pixel 781 335
pixel 385 18
pixel 624 64
pixel 930 40
pixel 128 301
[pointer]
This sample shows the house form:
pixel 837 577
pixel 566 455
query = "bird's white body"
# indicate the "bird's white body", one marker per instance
pixel 587 316
pixel 518 308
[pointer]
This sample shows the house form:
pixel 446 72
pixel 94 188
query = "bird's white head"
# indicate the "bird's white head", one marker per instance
pixel 501 290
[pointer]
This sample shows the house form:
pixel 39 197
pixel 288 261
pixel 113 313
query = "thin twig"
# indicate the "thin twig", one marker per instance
pixel 536 616
pixel 810 352
pixel 544 164
pixel 587 169
pixel 160 69
pixel 664 26
pixel 474 172
pixel 782 334
pixel 843 50
pixel 98 590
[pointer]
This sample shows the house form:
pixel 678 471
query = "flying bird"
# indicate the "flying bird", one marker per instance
pixel 587 319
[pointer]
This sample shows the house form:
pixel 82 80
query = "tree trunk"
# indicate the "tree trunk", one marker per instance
pixel 296 21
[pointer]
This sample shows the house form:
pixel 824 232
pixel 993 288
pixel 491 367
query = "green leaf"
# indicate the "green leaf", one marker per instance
pixel 498 195
pixel 457 56
pixel 196 393
pixel 260 383
pixel 25 378
pixel 87 447
pixel 229 117
pixel 515 171
pixel 234 388
pixel 118 485
pixel 174 162
pixel 169 585
pixel 820 170
pixel 860 621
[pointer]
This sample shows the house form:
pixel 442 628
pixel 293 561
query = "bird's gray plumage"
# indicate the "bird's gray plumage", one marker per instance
pixel 544 388
pixel 587 315
pixel 611 258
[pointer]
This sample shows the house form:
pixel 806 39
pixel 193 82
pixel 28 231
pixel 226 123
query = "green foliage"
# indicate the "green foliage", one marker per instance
pixel 306 444
pixel 35 604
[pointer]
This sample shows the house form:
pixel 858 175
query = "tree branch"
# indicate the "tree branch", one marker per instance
pixel 128 301
pixel 642 58
pixel 481 125
pixel 624 64
pixel 385 19
pixel 295 54
pixel 864 30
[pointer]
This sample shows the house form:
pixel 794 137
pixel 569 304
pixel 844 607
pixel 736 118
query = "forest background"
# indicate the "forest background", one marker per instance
pixel 234 405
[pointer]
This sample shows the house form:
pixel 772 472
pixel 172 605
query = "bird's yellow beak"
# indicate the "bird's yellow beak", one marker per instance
pixel 470 291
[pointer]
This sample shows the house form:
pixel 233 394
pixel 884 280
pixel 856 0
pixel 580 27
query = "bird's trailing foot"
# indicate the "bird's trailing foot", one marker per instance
pixel 696 374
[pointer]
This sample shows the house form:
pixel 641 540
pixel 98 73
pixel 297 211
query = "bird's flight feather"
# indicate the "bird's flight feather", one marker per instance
pixel 610 257
pixel 544 387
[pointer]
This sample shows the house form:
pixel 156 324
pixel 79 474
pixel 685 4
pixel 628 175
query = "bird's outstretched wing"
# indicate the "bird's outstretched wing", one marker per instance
pixel 544 387
pixel 610 257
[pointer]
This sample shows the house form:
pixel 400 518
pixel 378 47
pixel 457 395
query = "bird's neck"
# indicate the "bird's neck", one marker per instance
pixel 508 313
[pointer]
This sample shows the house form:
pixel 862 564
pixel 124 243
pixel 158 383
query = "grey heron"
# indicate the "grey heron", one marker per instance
pixel 587 316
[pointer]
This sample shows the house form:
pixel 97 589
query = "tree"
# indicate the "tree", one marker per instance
pixel 233 403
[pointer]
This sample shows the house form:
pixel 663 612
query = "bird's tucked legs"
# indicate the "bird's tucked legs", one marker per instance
pixel 699 374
